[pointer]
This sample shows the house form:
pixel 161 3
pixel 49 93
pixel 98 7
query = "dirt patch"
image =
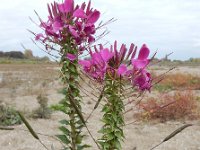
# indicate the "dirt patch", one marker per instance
pixel 21 84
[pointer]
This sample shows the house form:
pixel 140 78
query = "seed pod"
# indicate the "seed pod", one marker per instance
pixel 28 126
pixel 176 132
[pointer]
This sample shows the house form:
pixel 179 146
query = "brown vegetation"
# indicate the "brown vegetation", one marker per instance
pixel 180 105
pixel 179 81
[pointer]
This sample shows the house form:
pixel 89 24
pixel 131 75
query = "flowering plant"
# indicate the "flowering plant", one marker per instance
pixel 116 63
pixel 111 67
pixel 68 23
pixel 72 29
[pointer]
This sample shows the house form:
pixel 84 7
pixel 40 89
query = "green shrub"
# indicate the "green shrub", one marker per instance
pixel 8 116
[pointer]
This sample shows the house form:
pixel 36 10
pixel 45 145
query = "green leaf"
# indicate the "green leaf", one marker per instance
pixel 64 139
pixel 110 136
pixel 80 147
pixel 64 130
pixel 114 116
pixel 117 144
pixel 59 107
pixel 65 122
pixel 118 134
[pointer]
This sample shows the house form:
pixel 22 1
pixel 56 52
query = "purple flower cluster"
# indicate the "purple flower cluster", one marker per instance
pixel 116 63
pixel 67 22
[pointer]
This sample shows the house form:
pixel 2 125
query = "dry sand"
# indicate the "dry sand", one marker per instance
pixel 21 84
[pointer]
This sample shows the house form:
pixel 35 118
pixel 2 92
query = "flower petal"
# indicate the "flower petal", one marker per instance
pixel 71 57
pixel 106 54
pixel 143 81
pixel 122 69
pixel 79 13
pixel 38 36
pixel 91 39
pixel 139 64
pixel 84 63
pixel 144 52
pixel 93 17
pixel 56 26
pixel 73 31
pixel 61 7
pixel 67 6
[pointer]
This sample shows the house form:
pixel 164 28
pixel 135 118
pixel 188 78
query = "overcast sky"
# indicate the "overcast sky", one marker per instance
pixel 164 25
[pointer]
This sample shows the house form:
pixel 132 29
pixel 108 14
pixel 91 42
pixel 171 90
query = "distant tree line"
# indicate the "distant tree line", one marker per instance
pixel 12 54
pixel 19 55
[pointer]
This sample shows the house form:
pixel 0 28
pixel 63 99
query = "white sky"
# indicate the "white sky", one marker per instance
pixel 164 25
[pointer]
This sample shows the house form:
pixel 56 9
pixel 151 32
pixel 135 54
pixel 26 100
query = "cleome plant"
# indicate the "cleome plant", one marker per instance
pixel 70 27
pixel 68 35
pixel 109 67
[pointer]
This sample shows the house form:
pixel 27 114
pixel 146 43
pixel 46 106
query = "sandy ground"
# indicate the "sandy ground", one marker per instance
pixel 21 84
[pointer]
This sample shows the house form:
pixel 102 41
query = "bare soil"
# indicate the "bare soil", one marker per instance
pixel 20 84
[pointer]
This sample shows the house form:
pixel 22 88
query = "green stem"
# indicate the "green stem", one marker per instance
pixel 73 131
pixel 71 103
pixel 113 116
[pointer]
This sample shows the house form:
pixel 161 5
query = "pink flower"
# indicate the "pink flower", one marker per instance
pixel 69 21
pixel 101 58
pixel 71 57
pixel 116 62
pixel 106 54
pixel 143 80
pixel 97 65
pixel 93 17
pixel 109 59
pixel 122 69
pixel 142 61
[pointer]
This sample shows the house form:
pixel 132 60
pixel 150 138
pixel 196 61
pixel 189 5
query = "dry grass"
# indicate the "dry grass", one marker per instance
pixel 180 105
pixel 28 79
pixel 43 111
pixel 179 81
